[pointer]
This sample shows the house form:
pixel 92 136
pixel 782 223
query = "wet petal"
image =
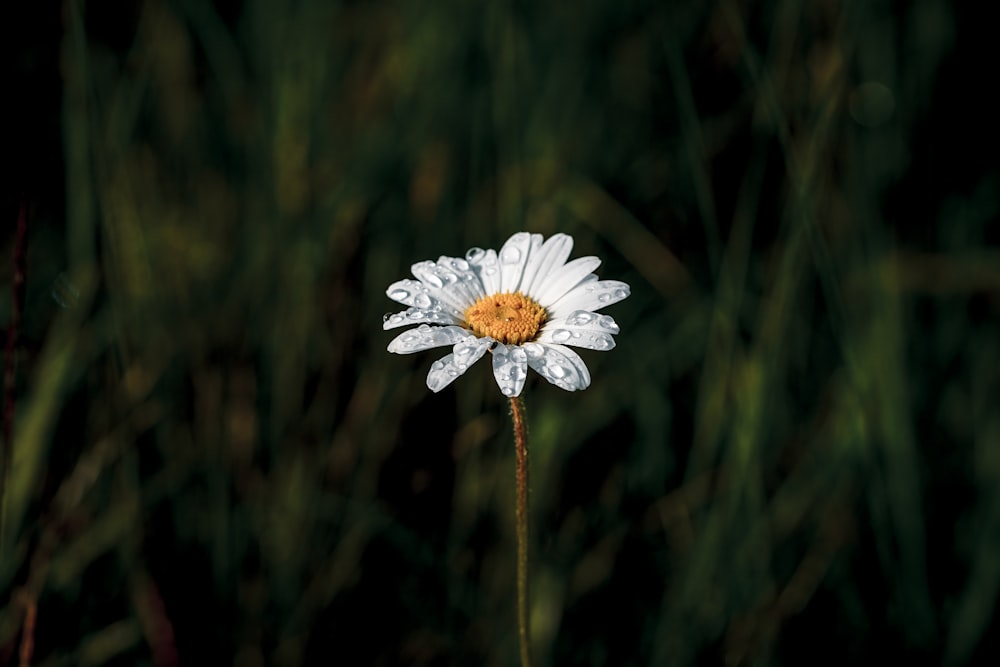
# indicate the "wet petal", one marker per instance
pixel 417 294
pixel 487 267
pixel 416 316
pixel 581 328
pixel 566 278
pixel 469 349
pixel 510 368
pixel 466 352
pixel 426 337
pixel 513 257
pixel 443 284
pixel 559 365
pixel 462 278
pixel 541 264
pixel 443 372
pixel 592 295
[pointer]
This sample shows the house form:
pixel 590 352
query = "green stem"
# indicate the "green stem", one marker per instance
pixel 521 447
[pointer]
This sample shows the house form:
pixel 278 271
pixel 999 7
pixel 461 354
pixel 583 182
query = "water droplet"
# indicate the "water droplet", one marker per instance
pixel 620 293
pixel 608 323
pixel 459 264
pixel 580 318
pixel 422 301
pixel 533 350
pixel 399 295
pixel 561 336
pixel 602 342
pixel 415 314
pixel 510 255
pixel 508 390
pixel 433 280
pixel 491 270
pixel 452 372
pixel 385 318
pixel 475 254
pixel 557 371
pixel 437 365
pixel 604 297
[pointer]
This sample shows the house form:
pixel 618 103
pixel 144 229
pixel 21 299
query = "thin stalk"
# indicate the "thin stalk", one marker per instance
pixel 521 448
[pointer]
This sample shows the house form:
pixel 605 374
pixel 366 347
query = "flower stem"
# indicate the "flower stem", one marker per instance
pixel 521 447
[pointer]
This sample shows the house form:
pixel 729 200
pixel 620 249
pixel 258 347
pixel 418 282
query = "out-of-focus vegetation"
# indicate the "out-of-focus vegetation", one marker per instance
pixel 792 457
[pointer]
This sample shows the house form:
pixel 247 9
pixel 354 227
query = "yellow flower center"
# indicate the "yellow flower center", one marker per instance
pixel 511 318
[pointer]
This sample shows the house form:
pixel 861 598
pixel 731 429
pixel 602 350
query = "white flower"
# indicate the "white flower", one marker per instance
pixel 525 304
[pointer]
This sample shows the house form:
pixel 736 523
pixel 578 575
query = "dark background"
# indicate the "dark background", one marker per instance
pixel 792 456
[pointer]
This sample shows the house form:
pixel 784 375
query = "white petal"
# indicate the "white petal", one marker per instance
pixel 510 368
pixel 425 337
pixel 552 255
pixel 559 365
pixel 565 278
pixel 415 293
pixel 589 296
pixel 581 328
pixel 443 372
pixel 465 353
pixel 513 257
pixel 462 278
pixel 469 349
pixel 487 267
pixel 416 316
pixel 442 284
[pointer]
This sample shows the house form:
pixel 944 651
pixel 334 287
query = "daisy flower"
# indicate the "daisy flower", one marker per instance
pixel 525 304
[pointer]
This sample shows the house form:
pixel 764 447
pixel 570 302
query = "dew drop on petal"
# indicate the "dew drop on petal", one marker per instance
pixel 434 280
pixel 557 371
pixel 422 301
pixel 602 342
pixel 399 295
pixel 385 318
pixel 620 294
pixel 607 323
pixel 459 264
pixel 508 390
pixel 561 336
pixel 510 255
pixel 474 255
pixel 580 318
pixel 437 366
pixel 533 350
pixel 604 297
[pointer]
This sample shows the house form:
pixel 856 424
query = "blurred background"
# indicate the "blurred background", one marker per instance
pixel 792 457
